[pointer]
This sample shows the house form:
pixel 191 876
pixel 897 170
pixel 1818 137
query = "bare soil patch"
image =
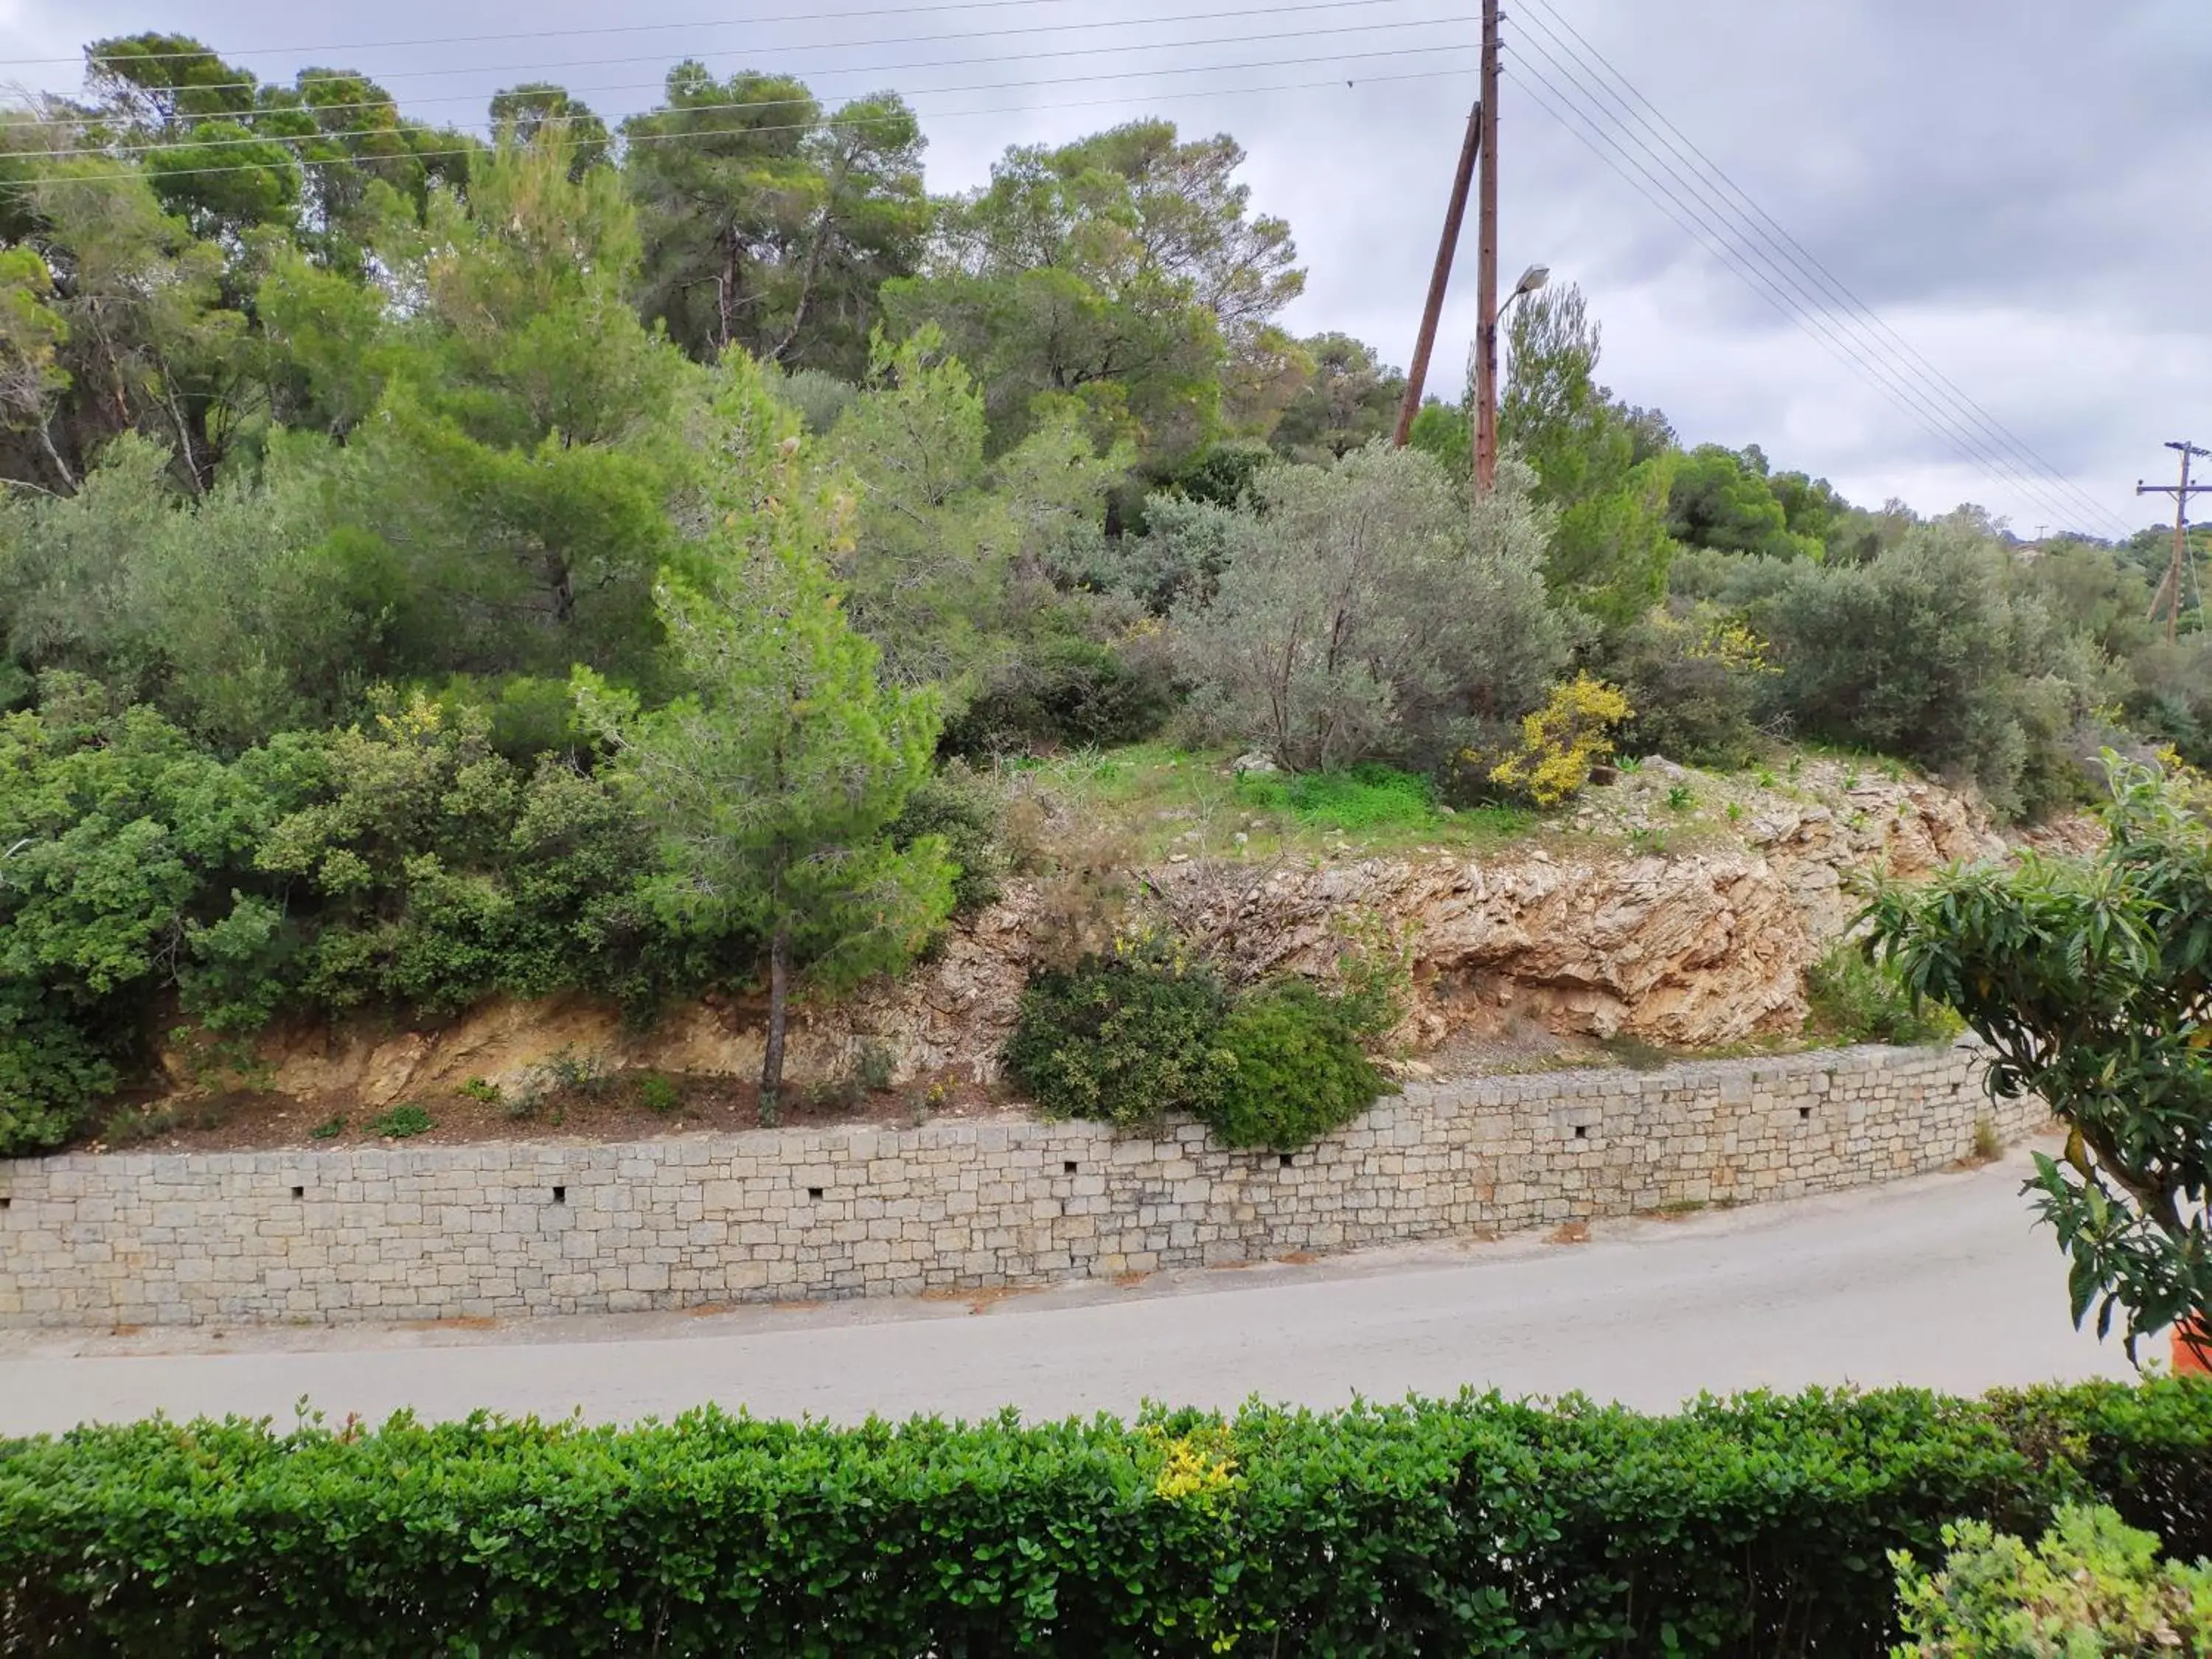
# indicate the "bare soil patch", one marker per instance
pixel 624 1106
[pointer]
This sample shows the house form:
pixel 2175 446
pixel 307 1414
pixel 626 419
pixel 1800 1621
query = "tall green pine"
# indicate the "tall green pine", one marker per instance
pixel 774 779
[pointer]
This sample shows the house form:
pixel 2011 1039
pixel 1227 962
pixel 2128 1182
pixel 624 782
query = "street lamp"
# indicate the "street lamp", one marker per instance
pixel 1531 279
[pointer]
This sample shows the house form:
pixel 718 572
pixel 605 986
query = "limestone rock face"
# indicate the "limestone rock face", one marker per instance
pixel 1690 950
pixel 1695 948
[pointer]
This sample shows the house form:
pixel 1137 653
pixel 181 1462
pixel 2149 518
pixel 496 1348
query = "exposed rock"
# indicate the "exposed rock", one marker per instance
pixel 1692 951
pixel 1703 948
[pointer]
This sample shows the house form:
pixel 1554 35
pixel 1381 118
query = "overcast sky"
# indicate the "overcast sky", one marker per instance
pixel 2048 261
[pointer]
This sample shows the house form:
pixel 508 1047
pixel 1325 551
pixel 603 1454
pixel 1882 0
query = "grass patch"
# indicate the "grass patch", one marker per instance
pixel 1637 1055
pixel 1360 797
pixel 1158 801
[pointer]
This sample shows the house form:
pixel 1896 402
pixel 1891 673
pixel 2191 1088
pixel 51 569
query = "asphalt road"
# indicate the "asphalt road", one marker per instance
pixel 1940 1281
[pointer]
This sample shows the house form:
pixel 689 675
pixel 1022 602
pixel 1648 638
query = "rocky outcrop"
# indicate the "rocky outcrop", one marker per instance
pixel 1700 946
pixel 1692 950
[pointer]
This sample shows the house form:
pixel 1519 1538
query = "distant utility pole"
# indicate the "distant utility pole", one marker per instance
pixel 1486 281
pixel 2169 592
pixel 1417 373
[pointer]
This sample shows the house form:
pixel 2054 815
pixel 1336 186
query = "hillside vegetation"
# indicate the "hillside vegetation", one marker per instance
pixel 648 562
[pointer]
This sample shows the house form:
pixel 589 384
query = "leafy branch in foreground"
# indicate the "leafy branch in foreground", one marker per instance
pixel 2088 979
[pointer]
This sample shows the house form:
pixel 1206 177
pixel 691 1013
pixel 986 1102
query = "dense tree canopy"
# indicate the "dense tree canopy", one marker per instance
pixel 769 225
pixel 1349 399
pixel 1125 272
pixel 434 565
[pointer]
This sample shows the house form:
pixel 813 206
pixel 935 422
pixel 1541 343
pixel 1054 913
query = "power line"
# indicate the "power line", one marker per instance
pixel 1698 227
pixel 1880 336
pixel 1118 99
pixel 157 146
pixel 305 79
pixel 1807 262
pixel 1793 296
pixel 557 34
pixel 1787 296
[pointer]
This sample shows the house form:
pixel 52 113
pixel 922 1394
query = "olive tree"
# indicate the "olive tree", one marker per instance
pixel 1365 611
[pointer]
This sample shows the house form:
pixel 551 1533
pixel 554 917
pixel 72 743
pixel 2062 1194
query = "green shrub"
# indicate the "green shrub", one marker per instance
pixel 1749 1526
pixel 875 1067
pixel 2142 1450
pixel 428 871
pixel 402 1122
pixel 1062 692
pixel 818 397
pixel 1221 474
pixel 1338 628
pixel 120 847
pixel 53 1074
pixel 658 1094
pixel 1298 1072
pixel 955 805
pixel 1927 652
pixel 2092 1586
pixel 1176 560
pixel 1375 973
pixel 1855 1000
pixel 522 716
pixel 1128 1037
pixel 408 864
pixel 1123 1038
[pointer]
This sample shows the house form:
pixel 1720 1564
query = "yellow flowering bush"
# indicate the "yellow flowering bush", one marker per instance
pixel 1715 636
pixel 1562 741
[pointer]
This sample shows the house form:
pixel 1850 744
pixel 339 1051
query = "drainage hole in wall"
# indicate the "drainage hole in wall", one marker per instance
pixel 299 1192
pixel 1068 1168
pixel 1286 1160
pixel 814 1192
pixel 1581 1132
pixel 559 1194
pixel 5 1202
pixel 1804 1113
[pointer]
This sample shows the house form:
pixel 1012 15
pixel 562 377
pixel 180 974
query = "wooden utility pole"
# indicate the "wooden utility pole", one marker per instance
pixel 1485 254
pixel 1418 372
pixel 2169 592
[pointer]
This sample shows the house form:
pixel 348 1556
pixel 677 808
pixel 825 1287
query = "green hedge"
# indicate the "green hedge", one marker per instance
pixel 1754 1525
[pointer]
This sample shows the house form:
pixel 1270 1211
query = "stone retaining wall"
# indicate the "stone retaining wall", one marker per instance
pixel 489 1231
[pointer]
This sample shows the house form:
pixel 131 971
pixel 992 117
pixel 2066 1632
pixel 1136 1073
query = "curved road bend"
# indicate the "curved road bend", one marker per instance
pixel 1939 1281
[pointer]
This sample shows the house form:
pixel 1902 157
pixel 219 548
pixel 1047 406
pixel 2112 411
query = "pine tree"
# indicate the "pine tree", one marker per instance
pixel 773 780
